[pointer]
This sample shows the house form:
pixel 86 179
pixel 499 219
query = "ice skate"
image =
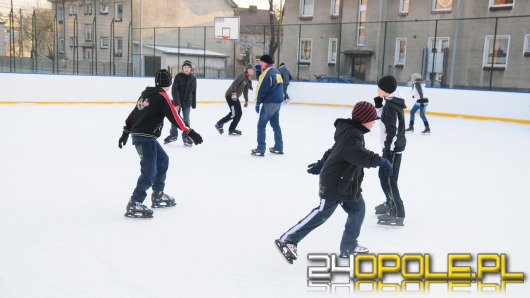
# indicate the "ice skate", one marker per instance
pixel 170 139
pixel 137 210
pixel 390 220
pixel 255 152
pixel 382 209
pixel 272 150
pixel 358 250
pixel 426 131
pixel 235 132
pixel 288 250
pixel 219 128
pixel 161 200
pixel 410 129
pixel 187 141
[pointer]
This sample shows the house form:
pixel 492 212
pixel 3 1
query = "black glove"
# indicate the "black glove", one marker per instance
pixel 123 139
pixel 246 103
pixel 315 168
pixel 195 137
pixel 378 102
pixel 386 166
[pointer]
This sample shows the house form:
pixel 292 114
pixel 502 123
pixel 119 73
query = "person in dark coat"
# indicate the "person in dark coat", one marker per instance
pixel 239 86
pixel 393 141
pixel 184 92
pixel 286 76
pixel 145 124
pixel 341 172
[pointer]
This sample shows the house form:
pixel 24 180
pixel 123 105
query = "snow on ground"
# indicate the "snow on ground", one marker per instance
pixel 65 184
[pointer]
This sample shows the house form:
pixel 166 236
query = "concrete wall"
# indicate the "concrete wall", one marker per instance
pixel 38 88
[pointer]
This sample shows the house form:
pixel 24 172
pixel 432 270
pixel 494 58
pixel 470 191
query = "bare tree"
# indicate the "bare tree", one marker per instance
pixel 276 13
pixel 35 38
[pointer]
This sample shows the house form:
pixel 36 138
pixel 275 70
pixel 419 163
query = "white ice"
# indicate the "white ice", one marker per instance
pixel 64 185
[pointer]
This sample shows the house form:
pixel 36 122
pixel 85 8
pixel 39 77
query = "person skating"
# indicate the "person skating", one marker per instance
pixel 393 142
pixel 286 77
pixel 145 124
pixel 341 171
pixel 239 86
pixel 418 92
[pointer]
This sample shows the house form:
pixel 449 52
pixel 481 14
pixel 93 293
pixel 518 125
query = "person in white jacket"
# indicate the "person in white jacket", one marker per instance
pixel 418 93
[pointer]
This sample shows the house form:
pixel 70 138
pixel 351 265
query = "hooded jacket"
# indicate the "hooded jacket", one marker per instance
pixel 392 124
pixel 147 118
pixel 184 90
pixel 342 171
pixel 240 86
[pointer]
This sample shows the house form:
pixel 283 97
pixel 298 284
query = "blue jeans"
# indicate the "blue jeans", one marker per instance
pixel 174 131
pixel 319 215
pixel 417 107
pixel 154 163
pixel 270 112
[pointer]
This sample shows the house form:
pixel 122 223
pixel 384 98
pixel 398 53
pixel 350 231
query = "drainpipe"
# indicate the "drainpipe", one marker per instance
pixel 455 46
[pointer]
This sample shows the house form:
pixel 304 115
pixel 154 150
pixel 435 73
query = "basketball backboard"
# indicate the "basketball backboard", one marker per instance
pixel 226 28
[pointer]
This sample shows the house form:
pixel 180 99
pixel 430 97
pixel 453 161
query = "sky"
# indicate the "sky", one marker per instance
pixel 5 5
pixel 65 184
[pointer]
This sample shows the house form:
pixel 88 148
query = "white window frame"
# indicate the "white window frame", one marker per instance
pixel 302 49
pixel 492 4
pixel 87 53
pixel 400 58
pixel 73 41
pixel 104 8
pixel 526 46
pixel 332 50
pixel 440 42
pixel 307 10
pixel 118 12
pixel 61 45
pixel 88 32
pixel 73 10
pixel 335 8
pixel 88 9
pixel 118 47
pixel 361 25
pixel 487 42
pixel 404 6
pixel 104 42
pixel 60 14
pixel 435 5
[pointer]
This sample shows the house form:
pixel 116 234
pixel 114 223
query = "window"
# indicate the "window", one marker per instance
pixel 501 3
pixel 88 32
pixel 87 54
pixel 73 10
pixel 403 6
pixel 442 5
pixel 61 45
pixel 361 30
pixel 438 45
pixel 307 8
pixel 118 12
pixel 73 41
pixel 496 55
pixel 60 14
pixel 335 8
pixel 305 50
pixel 526 49
pixel 88 9
pixel 104 42
pixel 118 47
pixel 401 51
pixel 332 50
pixel 104 8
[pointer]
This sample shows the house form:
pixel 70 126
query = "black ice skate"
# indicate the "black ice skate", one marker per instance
pixel 219 128
pixel 287 250
pixel 272 150
pixel 410 129
pixel 137 210
pixel 382 209
pixel 390 220
pixel 255 152
pixel 170 139
pixel 235 132
pixel 358 250
pixel 161 200
pixel 426 131
pixel 187 141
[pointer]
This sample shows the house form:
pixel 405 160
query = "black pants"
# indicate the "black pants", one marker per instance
pixel 285 95
pixel 234 115
pixel 390 186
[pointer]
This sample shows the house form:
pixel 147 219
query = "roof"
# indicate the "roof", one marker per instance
pixel 252 16
pixel 183 51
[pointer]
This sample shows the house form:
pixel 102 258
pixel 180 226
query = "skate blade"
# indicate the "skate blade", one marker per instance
pixel 390 223
pixel 136 215
pixel 289 258
pixel 163 205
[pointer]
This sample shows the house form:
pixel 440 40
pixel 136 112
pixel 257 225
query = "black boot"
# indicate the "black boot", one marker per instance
pixel 411 127
pixel 427 130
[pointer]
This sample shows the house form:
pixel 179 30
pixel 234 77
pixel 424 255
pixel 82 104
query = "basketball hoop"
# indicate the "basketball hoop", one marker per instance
pixel 224 37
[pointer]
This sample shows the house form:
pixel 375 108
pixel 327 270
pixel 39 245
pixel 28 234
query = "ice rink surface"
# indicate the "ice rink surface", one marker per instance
pixel 65 183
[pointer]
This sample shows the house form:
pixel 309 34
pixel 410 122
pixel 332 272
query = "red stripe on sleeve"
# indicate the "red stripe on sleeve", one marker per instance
pixel 175 114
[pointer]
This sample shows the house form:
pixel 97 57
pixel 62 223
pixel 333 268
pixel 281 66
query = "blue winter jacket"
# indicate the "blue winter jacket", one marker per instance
pixel 270 87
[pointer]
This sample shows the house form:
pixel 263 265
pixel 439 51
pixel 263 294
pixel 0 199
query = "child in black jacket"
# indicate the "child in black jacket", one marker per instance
pixel 145 123
pixel 341 174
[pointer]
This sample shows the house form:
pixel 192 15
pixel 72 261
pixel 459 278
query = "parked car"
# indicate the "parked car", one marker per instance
pixel 340 79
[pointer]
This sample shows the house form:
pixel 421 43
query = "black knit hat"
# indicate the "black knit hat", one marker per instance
pixel 188 63
pixel 163 78
pixel 267 59
pixel 387 84
pixel 364 112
